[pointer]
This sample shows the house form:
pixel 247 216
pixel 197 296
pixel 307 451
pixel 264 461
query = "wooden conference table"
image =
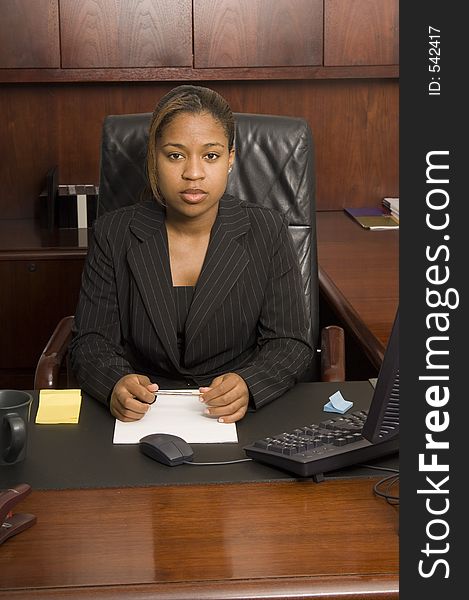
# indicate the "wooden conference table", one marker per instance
pixel 263 535
pixel 359 277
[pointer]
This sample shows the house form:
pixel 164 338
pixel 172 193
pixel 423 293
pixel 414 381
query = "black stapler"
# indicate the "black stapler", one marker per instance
pixel 13 523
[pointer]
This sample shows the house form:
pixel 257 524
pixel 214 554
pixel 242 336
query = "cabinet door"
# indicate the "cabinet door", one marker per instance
pixel 34 296
pixel 29 34
pixel 128 33
pixel 257 33
pixel 362 32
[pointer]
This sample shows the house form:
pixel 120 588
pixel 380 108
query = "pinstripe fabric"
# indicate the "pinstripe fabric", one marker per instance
pixel 182 297
pixel 247 315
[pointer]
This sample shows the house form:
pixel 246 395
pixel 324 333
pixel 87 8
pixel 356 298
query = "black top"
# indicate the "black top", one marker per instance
pixel 182 299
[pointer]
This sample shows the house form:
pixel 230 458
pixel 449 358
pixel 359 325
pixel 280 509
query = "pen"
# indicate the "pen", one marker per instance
pixel 177 393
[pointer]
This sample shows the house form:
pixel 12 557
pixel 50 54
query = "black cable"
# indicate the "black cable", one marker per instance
pixel 391 480
pixel 378 468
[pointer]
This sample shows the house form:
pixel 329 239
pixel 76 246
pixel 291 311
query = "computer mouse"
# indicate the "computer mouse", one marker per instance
pixel 166 448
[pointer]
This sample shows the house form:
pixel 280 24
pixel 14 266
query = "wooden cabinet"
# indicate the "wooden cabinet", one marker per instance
pixel 40 275
pixel 361 32
pixel 259 33
pixel 129 33
pixel 38 293
pixel 183 40
pixel 29 34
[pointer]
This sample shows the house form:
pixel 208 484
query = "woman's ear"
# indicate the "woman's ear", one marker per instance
pixel 231 158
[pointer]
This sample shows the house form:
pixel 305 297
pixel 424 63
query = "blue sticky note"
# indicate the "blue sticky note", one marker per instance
pixel 337 404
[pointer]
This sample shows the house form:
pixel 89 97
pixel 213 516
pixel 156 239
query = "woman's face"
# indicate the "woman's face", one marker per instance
pixel 192 162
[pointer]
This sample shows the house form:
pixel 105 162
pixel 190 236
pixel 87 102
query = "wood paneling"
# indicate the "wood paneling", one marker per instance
pixel 355 130
pixel 257 33
pixel 29 34
pixel 28 146
pixel 354 123
pixel 362 32
pixel 128 33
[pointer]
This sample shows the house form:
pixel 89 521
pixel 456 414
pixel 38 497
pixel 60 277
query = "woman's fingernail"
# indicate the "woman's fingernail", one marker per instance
pixel 221 420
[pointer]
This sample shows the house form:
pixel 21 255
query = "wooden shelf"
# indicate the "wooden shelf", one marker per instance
pixel 188 74
pixel 23 239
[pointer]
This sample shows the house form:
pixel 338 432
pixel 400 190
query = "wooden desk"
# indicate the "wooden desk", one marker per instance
pixel 261 533
pixel 359 277
pixel 269 540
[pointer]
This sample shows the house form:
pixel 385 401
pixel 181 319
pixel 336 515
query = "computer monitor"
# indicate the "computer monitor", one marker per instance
pixel 341 441
pixel 382 423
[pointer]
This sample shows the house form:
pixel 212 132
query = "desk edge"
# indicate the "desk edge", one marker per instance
pixel 372 347
pixel 348 587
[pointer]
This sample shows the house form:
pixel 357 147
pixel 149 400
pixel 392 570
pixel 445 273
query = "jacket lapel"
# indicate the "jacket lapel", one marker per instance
pixel 224 262
pixel 149 262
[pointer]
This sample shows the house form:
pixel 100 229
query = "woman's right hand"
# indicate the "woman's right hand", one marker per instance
pixel 132 396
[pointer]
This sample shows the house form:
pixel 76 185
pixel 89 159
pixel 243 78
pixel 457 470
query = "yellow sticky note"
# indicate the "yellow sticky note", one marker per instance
pixel 59 406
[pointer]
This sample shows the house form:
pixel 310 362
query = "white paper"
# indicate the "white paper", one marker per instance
pixel 82 216
pixel 179 415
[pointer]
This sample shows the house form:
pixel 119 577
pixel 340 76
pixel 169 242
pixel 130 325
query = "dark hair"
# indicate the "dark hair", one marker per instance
pixel 185 99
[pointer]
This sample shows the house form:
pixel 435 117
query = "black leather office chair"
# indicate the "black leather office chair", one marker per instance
pixel 274 166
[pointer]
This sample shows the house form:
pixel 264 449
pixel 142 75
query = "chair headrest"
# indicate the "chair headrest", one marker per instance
pixel 273 164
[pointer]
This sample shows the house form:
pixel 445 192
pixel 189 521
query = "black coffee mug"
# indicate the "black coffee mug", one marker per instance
pixel 15 408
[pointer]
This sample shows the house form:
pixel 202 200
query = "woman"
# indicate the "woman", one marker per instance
pixel 192 288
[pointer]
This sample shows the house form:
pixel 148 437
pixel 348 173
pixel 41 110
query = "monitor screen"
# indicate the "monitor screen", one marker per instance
pixel 382 423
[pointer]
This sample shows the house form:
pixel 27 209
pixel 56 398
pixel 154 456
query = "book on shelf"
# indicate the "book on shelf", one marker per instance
pixel 67 206
pixel 392 204
pixel 373 218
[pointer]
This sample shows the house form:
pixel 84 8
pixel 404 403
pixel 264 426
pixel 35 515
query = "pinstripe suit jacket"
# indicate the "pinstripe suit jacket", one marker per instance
pixel 247 315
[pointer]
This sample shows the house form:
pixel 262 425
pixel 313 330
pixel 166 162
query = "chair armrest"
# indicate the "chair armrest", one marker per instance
pixel 332 354
pixel 51 359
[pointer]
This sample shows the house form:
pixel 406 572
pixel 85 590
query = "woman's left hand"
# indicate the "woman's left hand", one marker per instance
pixel 227 398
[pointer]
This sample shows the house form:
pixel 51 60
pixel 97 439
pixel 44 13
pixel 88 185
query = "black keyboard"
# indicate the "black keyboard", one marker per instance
pixel 317 448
